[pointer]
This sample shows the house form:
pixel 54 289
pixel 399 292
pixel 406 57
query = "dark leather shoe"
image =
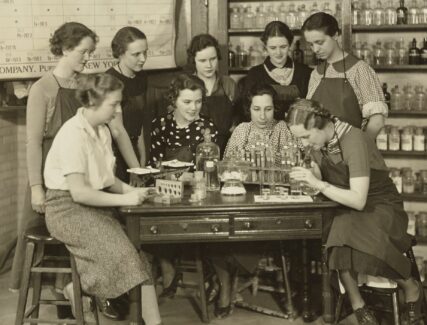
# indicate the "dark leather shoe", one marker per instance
pixel 413 310
pixel 108 308
pixel 365 316
pixel 169 292
pixel 223 312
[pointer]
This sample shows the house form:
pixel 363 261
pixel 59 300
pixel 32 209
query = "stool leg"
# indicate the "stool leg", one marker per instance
pixel 37 285
pixel 201 281
pixel 77 292
pixel 25 283
pixel 416 274
pixel 338 309
pixel 289 302
pixel 396 309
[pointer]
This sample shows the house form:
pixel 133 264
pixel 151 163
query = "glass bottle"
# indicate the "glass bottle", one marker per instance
pixel 231 56
pixel 423 173
pixel 402 13
pixel 302 15
pixel 242 56
pixel 326 9
pixel 423 54
pixel 378 14
pixel 406 139
pixel 390 16
pixel 207 156
pixel 387 95
pixel 396 177
pixel 248 18
pixel 422 14
pixel 366 14
pixel 408 98
pixel 420 98
pixel 419 142
pixel 282 13
pixel 366 53
pixel 379 54
pixel 414 53
pixel 408 181
pixel 355 14
pixel 271 15
pixel 298 54
pixel 357 50
pixel 260 18
pixel 291 17
pixel 394 139
pixel 402 56
pixel 255 56
pixel 381 140
pixel 235 18
pixel 199 187
pixel 390 54
pixel 413 13
pixel 396 99
pixel 314 8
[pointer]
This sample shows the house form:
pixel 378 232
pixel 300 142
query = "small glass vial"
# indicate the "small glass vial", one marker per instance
pixel 406 139
pixel 394 139
pixel 419 139
pixel 382 139
pixel 408 181
pixel 396 178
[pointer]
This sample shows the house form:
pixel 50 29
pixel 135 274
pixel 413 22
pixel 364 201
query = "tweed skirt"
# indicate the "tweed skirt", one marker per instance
pixel 107 262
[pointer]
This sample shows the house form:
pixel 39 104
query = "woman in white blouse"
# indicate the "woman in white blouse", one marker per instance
pixel 82 191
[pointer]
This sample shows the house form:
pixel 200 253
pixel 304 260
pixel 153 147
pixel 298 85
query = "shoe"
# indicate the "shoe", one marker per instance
pixel 413 309
pixel 170 291
pixel 108 308
pixel 212 291
pixel 365 316
pixel 86 301
pixel 223 312
pixel 122 305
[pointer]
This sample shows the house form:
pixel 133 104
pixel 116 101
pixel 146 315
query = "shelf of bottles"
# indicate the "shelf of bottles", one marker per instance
pixel 415 197
pixel 389 28
pixel 253 31
pixel 404 154
pixel 401 68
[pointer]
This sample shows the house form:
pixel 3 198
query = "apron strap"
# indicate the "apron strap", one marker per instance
pixel 57 81
pixel 343 60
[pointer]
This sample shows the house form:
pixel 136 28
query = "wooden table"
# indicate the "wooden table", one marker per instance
pixel 221 218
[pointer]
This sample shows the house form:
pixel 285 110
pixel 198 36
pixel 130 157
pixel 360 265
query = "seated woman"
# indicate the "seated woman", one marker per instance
pixel 368 235
pixel 176 136
pixel 82 191
pixel 260 106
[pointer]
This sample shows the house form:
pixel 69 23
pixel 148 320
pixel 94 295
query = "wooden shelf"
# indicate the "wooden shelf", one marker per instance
pixel 253 31
pixel 416 197
pixel 402 68
pixel 404 154
pixel 410 114
pixel 390 28
pixel 11 109
pixel 422 240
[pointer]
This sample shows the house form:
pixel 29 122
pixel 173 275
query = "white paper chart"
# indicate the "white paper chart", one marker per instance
pixel 27 25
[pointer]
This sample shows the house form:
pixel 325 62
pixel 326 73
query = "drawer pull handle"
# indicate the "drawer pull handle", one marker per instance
pixel 215 228
pixel 184 226
pixel 278 221
pixel 247 225
pixel 154 230
pixel 308 224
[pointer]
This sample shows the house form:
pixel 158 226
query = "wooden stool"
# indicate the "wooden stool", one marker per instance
pixel 36 239
pixel 385 299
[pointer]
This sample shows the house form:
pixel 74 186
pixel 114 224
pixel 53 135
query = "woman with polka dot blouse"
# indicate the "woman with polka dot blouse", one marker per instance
pixel 177 134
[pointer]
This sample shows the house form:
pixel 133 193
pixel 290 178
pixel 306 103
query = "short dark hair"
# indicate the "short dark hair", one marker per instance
pixel 322 22
pixel 181 82
pixel 259 90
pixel 123 38
pixel 93 88
pixel 68 36
pixel 308 112
pixel 277 29
pixel 198 43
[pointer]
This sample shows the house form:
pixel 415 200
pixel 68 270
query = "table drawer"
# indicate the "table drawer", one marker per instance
pixel 292 226
pixel 184 228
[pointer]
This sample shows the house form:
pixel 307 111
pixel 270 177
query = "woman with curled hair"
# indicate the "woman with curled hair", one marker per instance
pixel 51 102
pixel 203 56
pixel 368 235
pixel 130 47
pixel 289 78
pixel 81 193
pixel 346 86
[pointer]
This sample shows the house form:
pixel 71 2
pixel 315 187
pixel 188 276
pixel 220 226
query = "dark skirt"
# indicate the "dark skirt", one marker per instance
pixel 107 262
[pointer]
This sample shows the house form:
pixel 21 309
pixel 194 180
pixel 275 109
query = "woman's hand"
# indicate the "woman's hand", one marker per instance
pixel 38 198
pixel 135 180
pixel 138 195
pixel 304 175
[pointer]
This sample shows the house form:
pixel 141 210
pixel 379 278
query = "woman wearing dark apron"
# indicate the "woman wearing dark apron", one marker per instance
pixel 289 79
pixel 176 136
pixel 51 102
pixel 368 235
pixel 130 47
pixel 202 56
pixel 346 86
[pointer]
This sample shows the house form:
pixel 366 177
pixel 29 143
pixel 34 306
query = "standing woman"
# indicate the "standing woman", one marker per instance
pixel 203 55
pixel 130 47
pixel 346 86
pixel 289 79
pixel 368 234
pixel 81 193
pixel 51 102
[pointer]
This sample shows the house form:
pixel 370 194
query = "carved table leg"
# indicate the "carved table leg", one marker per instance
pixel 289 303
pixel 327 297
pixel 307 313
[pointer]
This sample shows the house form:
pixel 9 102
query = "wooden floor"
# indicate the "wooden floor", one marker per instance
pixel 177 311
